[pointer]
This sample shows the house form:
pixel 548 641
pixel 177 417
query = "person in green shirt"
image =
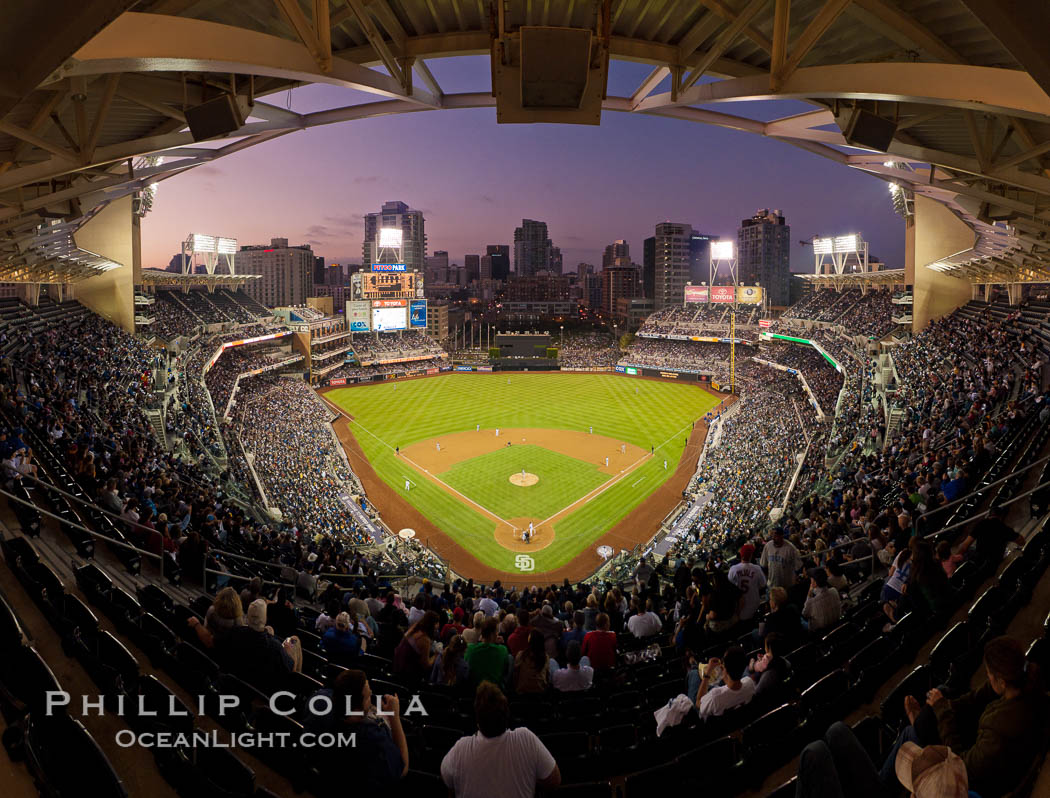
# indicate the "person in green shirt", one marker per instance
pixel 488 660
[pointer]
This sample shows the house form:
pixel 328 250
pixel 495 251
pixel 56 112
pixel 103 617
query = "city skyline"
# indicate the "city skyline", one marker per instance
pixel 475 181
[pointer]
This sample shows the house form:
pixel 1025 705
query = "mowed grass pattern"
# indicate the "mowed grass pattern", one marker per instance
pixel 643 412
pixel 563 480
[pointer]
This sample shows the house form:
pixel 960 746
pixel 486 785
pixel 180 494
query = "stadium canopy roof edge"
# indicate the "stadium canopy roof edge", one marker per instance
pixel 855 279
pixel 157 277
pixel 94 96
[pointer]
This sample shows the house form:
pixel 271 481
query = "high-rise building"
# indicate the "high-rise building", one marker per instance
pixel 764 254
pixel 618 282
pixel 287 272
pixel 499 255
pixel 556 261
pixel 673 263
pixel 583 269
pixel 413 243
pixel 437 267
pixel 649 267
pixel 700 255
pixel 472 264
pixel 532 248
pixel 618 253
pixel 320 271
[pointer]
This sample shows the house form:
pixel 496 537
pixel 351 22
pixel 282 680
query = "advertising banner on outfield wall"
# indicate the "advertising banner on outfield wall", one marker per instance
pixel 749 294
pixel 484 368
pixel 338 381
pixel 723 293
pixel 696 293
pixel 359 316
pixel 621 369
pixel 765 322
pixel 464 368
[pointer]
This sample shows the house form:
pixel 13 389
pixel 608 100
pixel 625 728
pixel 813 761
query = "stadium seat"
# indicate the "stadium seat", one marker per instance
pixel 11 632
pixel 917 683
pixel 820 703
pixel 25 679
pixel 64 758
pixel 217 773
pixel 766 742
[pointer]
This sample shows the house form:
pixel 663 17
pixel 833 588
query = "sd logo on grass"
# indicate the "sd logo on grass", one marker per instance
pixel 524 562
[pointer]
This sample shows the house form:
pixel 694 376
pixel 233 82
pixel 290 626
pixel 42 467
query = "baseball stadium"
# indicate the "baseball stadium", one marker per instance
pixel 305 490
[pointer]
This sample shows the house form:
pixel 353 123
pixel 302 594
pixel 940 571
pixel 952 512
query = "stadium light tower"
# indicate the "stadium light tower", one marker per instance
pixel 211 248
pixel 722 253
pixel 840 255
pixel 388 245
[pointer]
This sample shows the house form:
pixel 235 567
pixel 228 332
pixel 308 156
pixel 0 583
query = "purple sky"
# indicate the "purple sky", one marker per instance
pixel 475 180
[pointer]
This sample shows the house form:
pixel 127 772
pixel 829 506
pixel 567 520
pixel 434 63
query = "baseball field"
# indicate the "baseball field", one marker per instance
pixel 489 459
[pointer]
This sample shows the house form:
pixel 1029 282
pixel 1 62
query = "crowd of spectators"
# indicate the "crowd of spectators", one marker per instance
pixel 350 371
pixel 689 355
pixel 288 429
pixel 222 376
pixel 171 320
pixel 595 349
pixel 872 315
pixel 822 304
pixel 824 380
pixel 389 346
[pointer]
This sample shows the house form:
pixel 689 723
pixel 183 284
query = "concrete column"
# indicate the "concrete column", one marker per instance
pixel 1013 292
pixel 932 234
pixel 111 233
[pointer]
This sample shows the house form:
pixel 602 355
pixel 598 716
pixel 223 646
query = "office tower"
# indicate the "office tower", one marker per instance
pixel 437 268
pixel 764 255
pixel 532 248
pixel 472 264
pixel 700 257
pixel 649 267
pixel 413 241
pixel 555 261
pixel 618 253
pixel 320 271
pixel 673 263
pixel 287 272
pixel 500 261
pixel 618 282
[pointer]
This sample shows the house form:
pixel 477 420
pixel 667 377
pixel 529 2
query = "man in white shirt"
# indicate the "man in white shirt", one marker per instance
pixel 823 606
pixel 578 673
pixel 645 624
pixel 750 579
pixel 497 761
pixel 782 560
pixel 734 691
pixel 488 606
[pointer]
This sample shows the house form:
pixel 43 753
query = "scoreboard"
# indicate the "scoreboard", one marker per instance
pixel 387 285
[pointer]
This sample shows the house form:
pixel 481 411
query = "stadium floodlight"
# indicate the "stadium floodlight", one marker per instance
pixel 389 237
pixel 203 243
pixel 822 246
pixel 227 246
pixel 847 243
pixel 721 250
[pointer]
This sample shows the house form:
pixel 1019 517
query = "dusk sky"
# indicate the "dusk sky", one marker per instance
pixel 475 180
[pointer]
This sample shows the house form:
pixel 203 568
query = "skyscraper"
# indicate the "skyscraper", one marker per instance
pixel 700 252
pixel 396 215
pixel 437 267
pixel 672 263
pixel 320 272
pixel 649 267
pixel 618 253
pixel 287 272
pixel 764 254
pixel 618 282
pixel 532 248
pixel 499 255
pixel 472 264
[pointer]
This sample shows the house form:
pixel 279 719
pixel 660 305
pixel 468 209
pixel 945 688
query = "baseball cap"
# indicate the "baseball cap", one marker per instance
pixel 256 618
pixel 931 772
pixel 747 551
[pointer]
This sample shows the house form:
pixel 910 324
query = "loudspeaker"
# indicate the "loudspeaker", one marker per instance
pixel 865 129
pixel 214 118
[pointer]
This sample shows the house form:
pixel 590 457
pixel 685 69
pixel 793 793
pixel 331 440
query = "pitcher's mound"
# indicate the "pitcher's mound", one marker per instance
pixel 523 480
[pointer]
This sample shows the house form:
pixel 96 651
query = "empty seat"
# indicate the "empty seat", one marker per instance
pixel 63 758
pixel 25 680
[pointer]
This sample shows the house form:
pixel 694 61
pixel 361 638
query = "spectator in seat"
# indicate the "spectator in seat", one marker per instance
pixel 450 666
pixel 948 560
pixel 340 641
pixel 575 632
pixel 722 607
pixel 453 627
pixel 781 560
pixel 532 666
pixel 511 763
pixel 257 656
pixel 391 613
pixel 551 629
pixel 600 645
pixel 929 593
pixel 590 613
pixel 736 689
pixel 645 624
pixel 577 673
pixel 473 634
pixel 326 620
pixel 782 618
pixel 823 607
pixel 989 539
pixel 749 580
pixel 280 614
pixel 379 758
pixel 518 640
pixel 770 671
pixel 488 660
pixel 223 616
pixel 251 592
pixel 414 655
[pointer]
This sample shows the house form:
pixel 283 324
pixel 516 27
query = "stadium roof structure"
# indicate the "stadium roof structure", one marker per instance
pixel 855 279
pixel 94 96
pixel 161 277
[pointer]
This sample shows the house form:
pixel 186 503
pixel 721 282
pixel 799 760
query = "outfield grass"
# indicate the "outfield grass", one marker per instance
pixel 486 479
pixel 642 412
